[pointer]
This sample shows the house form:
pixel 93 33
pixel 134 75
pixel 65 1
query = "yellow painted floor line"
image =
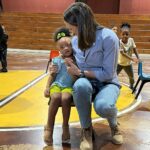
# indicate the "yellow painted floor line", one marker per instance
pixel 30 108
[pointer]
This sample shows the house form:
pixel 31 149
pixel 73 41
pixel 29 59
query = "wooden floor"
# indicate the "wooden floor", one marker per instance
pixel 135 126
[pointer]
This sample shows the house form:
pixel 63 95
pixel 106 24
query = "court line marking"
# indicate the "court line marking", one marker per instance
pixel 18 92
pixel 18 89
pixel 131 108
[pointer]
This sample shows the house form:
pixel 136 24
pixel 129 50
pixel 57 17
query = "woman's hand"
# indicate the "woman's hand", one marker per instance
pixel 71 67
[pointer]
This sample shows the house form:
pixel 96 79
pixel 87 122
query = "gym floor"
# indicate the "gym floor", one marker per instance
pixel 23 109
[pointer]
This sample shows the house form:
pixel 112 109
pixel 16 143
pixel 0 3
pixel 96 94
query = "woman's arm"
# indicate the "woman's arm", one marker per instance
pixel 110 58
pixel 74 71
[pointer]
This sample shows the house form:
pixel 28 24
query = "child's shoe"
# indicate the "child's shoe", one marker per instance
pixel 66 135
pixel 48 136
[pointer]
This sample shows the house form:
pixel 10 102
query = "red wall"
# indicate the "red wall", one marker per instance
pixel 58 6
pixel 37 6
pixel 98 6
pixel 134 7
pixel 104 6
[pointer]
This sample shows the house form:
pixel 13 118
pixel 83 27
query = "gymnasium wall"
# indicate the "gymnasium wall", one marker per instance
pixel 98 6
pixel 135 7
pixel 104 6
pixel 36 6
pixel 58 6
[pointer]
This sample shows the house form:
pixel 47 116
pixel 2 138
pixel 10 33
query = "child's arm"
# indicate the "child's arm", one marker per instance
pixel 72 59
pixel 126 55
pixel 137 59
pixel 136 53
pixel 130 58
pixel 49 82
pixel 53 72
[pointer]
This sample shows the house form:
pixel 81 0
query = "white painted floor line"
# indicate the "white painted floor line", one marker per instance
pixel 120 113
pixel 22 90
pixel 131 108
pixel 28 50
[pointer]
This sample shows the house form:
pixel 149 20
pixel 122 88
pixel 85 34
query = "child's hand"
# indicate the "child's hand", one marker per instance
pixel 46 92
pixel 53 69
pixel 135 60
pixel 140 60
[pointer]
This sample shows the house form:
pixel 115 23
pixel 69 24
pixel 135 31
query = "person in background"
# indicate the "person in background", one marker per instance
pixel 127 48
pixel 59 87
pixel 95 49
pixel 3 48
pixel 1 6
pixel 115 29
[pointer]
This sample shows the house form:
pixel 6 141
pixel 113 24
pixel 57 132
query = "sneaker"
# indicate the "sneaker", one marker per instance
pixel 66 135
pixel 3 70
pixel 116 135
pixel 86 139
pixel 48 136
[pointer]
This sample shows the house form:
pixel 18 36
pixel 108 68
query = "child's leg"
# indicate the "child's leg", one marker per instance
pixel 5 59
pixel 129 71
pixel 66 107
pixel 119 68
pixel 3 55
pixel 53 108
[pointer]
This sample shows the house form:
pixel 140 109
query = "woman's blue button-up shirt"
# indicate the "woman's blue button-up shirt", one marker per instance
pixel 101 58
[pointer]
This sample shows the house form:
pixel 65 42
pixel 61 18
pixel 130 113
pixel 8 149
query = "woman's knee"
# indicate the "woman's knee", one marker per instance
pixel 105 110
pixel 82 92
pixel 82 85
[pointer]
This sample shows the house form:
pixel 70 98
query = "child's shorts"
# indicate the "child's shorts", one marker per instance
pixel 57 89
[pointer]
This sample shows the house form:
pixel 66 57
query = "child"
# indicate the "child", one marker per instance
pixel 3 49
pixel 127 47
pixel 59 87
pixel 115 29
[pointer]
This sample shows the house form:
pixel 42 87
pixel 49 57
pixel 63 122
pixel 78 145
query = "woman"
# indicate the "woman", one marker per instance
pixel 95 50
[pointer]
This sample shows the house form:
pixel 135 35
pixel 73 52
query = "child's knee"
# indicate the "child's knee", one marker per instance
pixel 66 100
pixel 56 98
